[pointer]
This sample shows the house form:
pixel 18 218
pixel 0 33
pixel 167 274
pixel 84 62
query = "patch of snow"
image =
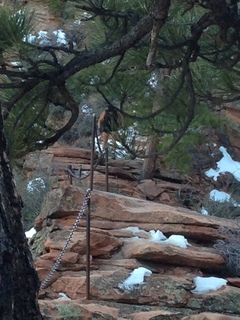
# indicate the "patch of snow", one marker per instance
pixel 135 230
pixel 44 38
pixel 61 36
pixel 41 38
pixel 16 63
pixel 208 284
pixel 226 164
pixel 78 21
pixel 30 233
pixel 177 240
pixel 204 211
pixel 63 296
pixel 87 15
pixel 36 184
pixel 156 236
pixel 153 81
pixel 87 110
pixel 221 196
pixel 133 239
pixel 136 278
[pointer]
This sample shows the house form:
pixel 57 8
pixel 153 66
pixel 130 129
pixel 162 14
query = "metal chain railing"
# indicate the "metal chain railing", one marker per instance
pixel 69 168
pixel 57 263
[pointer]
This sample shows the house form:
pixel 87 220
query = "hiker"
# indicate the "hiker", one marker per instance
pixel 110 121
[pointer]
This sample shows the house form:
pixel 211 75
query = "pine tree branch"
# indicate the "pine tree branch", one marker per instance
pixel 74 116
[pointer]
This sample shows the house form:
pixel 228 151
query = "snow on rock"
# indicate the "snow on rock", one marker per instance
pixel 177 240
pixel 63 296
pixel 135 230
pixel 30 233
pixel 221 196
pixel 136 278
pixel 204 211
pixel 157 236
pixel 208 284
pixel 226 164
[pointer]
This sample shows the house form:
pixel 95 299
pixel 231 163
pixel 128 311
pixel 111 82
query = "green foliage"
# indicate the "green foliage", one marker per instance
pixel 55 6
pixel 180 157
pixel 205 118
pixel 106 30
pixel 225 209
pixel 221 209
pixel 68 311
pixel 181 100
pixel 26 124
pixel 14 26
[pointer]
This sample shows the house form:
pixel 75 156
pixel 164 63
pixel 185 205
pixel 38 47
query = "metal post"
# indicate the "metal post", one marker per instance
pixel 106 168
pixel 88 244
pixel 70 176
pixel 80 171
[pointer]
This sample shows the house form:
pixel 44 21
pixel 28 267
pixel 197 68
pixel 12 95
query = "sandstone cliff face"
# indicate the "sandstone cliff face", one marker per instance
pixel 120 242
pixel 121 221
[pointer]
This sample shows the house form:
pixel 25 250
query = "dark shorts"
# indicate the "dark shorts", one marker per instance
pixel 107 127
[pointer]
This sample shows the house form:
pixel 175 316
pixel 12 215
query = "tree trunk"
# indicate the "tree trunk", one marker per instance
pixel 18 279
pixel 149 164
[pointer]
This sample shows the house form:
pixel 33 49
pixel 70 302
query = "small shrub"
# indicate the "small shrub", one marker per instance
pixel 188 196
pixel 69 311
pixel 223 209
pixel 230 250
pixel 32 192
pixel 55 6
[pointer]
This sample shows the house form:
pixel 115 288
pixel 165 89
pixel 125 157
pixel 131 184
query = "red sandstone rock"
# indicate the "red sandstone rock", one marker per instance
pixel 150 189
pixel 210 316
pixel 152 315
pixel 71 152
pixel 101 244
pixel 73 287
pixel 202 258
pixel 234 282
pixel 115 254
pixel 57 308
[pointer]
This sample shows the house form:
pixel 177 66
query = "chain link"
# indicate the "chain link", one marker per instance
pixel 59 259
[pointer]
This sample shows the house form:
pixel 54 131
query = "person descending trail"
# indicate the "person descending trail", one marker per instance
pixel 109 122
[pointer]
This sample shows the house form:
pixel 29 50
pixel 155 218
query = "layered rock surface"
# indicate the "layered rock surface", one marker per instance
pixel 121 221
pixel 120 242
pixel 170 188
